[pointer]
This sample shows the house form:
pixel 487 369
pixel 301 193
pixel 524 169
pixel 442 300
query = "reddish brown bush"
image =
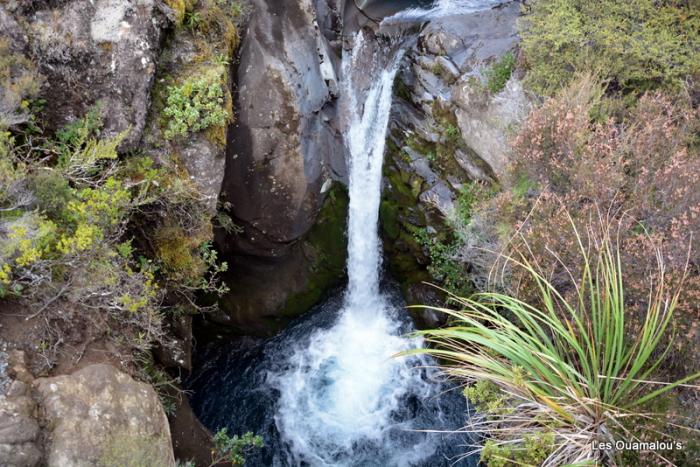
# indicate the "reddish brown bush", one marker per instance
pixel 641 174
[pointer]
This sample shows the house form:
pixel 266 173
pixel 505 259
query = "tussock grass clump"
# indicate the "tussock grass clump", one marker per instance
pixel 558 375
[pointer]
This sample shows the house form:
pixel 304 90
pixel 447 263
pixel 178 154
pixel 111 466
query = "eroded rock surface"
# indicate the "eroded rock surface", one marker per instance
pixel 19 429
pixel 284 153
pixel 100 52
pixel 101 416
pixel 283 144
pixel 447 130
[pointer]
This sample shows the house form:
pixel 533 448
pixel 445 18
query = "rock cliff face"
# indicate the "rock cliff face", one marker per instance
pixel 91 53
pixel 447 130
pixel 284 153
pixel 283 147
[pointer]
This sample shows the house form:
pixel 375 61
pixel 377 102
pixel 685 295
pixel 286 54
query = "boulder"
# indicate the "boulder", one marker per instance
pixel 101 416
pixel 486 123
pixel 96 52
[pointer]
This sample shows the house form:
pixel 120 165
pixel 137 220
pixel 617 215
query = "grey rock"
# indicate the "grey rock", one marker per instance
pixel 438 93
pixel 99 52
pixel 439 196
pixel 447 67
pixel 283 146
pixel 99 415
pixel 19 429
pixel 470 166
pixel 487 124
pixel 23 81
pixel 472 39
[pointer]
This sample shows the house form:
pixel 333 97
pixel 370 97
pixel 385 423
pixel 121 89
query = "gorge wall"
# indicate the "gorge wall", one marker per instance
pixel 277 173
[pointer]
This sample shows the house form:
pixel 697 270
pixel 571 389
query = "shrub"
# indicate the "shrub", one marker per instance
pixel 568 367
pixel 640 172
pixel 233 449
pixel 20 84
pixel 197 104
pixel 75 245
pixel 637 45
pixel 444 266
pixel 499 73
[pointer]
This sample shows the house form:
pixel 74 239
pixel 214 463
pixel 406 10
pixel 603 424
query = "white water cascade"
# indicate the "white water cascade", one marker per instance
pixel 439 9
pixel 343 388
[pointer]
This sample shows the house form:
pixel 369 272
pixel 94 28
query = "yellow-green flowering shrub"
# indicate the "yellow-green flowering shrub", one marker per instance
pixel 73 240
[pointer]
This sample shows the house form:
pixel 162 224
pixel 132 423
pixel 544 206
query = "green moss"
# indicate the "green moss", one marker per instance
pixel 133 450
pixel 328 240
pixel 177 252
pixel 180 9
pixel 388 213
pixel 401 90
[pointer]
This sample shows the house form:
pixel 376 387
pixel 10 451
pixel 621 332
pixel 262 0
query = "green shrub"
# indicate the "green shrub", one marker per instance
pixel 637 45
pixel 52 192
pixel 444 266
pixel 571 365
pixel 75 245
pixel 197 104
pixel 233 449
pixel 499 73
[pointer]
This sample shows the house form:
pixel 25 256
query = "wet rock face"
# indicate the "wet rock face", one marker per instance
pixel 101 416
pixel 267 293
pixel 95 52
pixel 284 146
pixel 447 130
pixel 284 152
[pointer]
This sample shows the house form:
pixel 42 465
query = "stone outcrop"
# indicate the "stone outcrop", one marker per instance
pixel 447 130
pixel 95 416
pixel 283 148
pixel 282 157
pixel 94 53
pixel 101 416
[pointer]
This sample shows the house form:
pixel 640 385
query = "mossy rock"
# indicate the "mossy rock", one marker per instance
pixel 327 241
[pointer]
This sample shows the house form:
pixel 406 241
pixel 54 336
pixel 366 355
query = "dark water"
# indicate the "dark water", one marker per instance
pixel 231 387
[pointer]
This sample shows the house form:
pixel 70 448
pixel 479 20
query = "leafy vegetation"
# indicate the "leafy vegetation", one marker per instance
pixel 635 45
pixel 499 73
pixel 20 85
pixel 568 367
pixel 233 449
pixel 65 217
pixel 197 104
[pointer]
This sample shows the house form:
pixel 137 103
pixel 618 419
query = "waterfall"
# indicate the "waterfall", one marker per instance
pixel 365 141
pixel 342 390
pixel 440 9
pixel 328 389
